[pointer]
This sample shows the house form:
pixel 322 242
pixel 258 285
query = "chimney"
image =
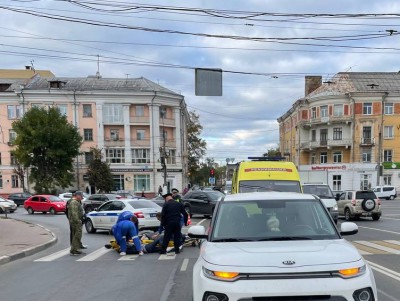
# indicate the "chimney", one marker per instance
pixel 313 82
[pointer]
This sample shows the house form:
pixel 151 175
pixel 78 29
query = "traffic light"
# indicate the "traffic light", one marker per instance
pixel 212 172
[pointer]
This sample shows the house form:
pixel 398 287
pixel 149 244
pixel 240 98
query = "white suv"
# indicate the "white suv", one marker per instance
pixel 385 192
pixel 278 245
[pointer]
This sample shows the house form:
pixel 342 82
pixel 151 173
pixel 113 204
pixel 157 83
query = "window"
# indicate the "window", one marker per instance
pixel 366 155
pixel 324 111
pixel 313 135
pixel 115 155
pixel 13 159
pixel 387 180
pixel 13 112
pixel 337 157
pixel 338 110
pixel 337 133
pixel 62 109
pixel 88 157
pixel 388 108
pixel 171 158
pixel 87 110
pixel 114 134
pixel 14 181
pixel 313 158
pixel 112 113
pixel 387 155
pixel 367 135
pixel 163 112
pixel 323 157
pixel 12 135
pixel 367 108
pixel 140 155
pixel 140 134
pixel 88 134
pixel 141 182
pixel 118 182
pixel 388 132
pixel 337 182
pixel 1 181
pixel 139 111
pixel 323 136
pixel 37 105
pixel 313 113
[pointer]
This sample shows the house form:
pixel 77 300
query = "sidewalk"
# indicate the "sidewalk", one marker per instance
pixel 19 239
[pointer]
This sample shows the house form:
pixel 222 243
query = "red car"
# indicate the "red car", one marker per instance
pixel 44 203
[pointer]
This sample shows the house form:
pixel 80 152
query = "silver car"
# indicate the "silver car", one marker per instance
pixel 359 203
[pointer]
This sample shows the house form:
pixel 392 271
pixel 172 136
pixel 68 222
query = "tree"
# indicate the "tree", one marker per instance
pixel 47 144
pixel 99 172
pixel 273 153
pixel 196 146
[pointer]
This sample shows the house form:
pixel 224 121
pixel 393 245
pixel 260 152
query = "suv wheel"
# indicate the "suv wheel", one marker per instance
pixel 392 197
pixel 368 204
pixel 347 215
pixel 376 217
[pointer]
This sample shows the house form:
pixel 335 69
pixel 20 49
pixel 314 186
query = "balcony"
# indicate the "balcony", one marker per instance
pixel 168 143
pixel 341 119
pixel 337 143
pixel 367 142
pixel 139 119
pixel 114 142
pixel 140 143
pixel 167 122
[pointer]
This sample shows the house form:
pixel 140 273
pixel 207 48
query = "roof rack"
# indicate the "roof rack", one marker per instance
pixel 267 158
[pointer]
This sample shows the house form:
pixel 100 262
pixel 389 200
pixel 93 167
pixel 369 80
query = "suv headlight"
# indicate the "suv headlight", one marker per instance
pixel 352 272
pixel 335 208
pixel 220 275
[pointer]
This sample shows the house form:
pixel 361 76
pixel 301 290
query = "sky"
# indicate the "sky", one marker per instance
pixel 264 47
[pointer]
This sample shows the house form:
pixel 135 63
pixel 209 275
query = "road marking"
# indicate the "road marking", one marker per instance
pixel 128 257
pixel 392 218
pixel 381 269
pixel 166 257
pixel 96 254
pixel 366 249
pixel 363 252
pixel 200 222
pixel 395 242
pixel 387 231
pixel 378 246
pixel 54 256
pixel 184 264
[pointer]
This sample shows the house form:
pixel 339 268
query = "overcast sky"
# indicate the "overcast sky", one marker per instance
pixel 265 48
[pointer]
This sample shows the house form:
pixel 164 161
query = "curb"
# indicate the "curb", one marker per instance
pixel 31 250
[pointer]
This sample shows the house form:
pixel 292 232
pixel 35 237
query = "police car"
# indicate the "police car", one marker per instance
pixel 104 217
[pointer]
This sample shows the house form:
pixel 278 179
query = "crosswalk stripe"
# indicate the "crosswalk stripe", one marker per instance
pixel 378 247
pixel 55 256
pixel 168 256
pixel 394 242
pixel 128 258
pixel 368 249
pixel 96 254
pixel 364 252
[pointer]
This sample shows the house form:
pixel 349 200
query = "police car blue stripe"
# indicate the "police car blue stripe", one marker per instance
pixel 103 214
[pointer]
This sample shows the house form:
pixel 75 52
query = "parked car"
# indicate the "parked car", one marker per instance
pixel 95 200
pixel 44 203
pixel 385 192
pixel 159 200
pixel 356 203
pixel 278 246
pixel 201 201
pixel 68 195
pixel 19 198
pixel 7 205
pixel 104 217
pixel 324 192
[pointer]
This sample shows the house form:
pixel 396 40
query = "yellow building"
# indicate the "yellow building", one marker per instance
pixel 345 132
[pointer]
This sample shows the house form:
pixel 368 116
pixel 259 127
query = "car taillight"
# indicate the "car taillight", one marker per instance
pixel 139 214
pixel 353 202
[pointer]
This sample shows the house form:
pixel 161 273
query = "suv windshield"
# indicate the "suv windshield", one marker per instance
pixel 272 220
pixel 265 185
pixel 365 195
pixel 323 191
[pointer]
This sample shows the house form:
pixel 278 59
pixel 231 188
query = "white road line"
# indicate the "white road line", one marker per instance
pixel 379 247
pixel 364 252
pixel 96 254
pixel 200 222
pixel 392 218
pixel 128 257
pixel 184 264
pixel 167 257
pixel 387 231
pixel 381 269
pixel 395 242
pixel 54 256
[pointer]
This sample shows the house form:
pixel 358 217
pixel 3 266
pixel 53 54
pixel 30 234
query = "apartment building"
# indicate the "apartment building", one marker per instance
pixel 346 131
pixel 135 122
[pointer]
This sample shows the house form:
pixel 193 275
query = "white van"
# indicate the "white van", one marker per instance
pixel 385 192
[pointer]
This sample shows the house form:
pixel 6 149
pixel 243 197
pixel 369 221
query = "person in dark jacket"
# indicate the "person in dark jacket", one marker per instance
pixel 171 221
pixel 175 195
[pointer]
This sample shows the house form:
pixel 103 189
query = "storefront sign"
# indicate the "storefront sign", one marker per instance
pixel 332 167
pixel 132 170
pixel 169 170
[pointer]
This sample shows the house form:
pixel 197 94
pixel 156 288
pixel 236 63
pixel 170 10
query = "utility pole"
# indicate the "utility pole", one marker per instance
pixel 380 146
pixel 163 154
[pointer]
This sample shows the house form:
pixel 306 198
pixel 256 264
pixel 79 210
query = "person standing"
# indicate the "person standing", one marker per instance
pixel 75 217
pixel 175 195
pixel 160 190
pixel 171 214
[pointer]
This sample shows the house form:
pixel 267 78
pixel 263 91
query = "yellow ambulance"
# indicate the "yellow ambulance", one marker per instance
pixel 266 174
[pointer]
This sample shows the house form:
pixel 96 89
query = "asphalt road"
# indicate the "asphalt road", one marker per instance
pixel 103 275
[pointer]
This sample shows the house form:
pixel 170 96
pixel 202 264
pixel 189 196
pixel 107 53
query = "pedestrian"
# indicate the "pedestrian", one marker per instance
pixel 171 214
pixel 175 195
pixel 124 231
pixel 74 211
pixel 160 190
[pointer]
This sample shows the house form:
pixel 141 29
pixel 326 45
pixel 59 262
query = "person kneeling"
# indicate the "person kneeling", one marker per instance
pixel 125 231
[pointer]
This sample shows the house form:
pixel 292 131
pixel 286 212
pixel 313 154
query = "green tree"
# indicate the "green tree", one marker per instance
pixel 99 172
pixel 47 144
pixel 273 152
pixel 196 145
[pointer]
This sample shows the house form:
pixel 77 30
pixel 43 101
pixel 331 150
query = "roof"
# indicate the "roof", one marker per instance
pixel 269 195
pixel 24 73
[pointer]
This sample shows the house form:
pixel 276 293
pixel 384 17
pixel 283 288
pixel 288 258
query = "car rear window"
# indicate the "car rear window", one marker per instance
pixel 143 204
pixel 365 195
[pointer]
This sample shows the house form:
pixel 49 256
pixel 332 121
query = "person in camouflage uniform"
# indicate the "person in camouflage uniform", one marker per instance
pixel 75 216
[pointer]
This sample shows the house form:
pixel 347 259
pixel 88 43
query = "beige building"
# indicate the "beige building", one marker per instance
pixel 134 121
pixel 346 131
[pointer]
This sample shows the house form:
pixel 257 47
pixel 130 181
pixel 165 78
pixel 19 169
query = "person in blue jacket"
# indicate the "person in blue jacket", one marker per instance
pixel 125 230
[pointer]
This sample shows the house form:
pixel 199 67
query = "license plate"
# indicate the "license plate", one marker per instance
pixel 153 214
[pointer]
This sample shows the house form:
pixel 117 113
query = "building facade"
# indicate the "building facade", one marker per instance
pixel 135 122
pixel 346 131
